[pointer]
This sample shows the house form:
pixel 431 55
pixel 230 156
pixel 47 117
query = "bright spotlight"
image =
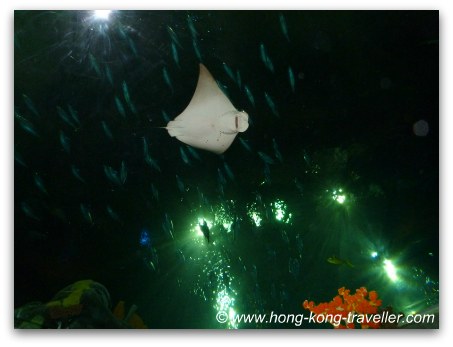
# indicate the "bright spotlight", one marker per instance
pixel 102 14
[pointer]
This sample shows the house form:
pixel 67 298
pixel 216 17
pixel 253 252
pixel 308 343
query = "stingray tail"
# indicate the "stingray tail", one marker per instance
pixel 173 129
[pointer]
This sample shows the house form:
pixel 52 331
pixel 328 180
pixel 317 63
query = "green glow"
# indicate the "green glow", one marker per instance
pixel 374 254
pixel 227 226
pixel 215 283
pixel 341 199
pixel 200 221
pixel 225 302
pixel 219 220
pixel 254 214
pixel 390 269
pixel 196 230
pixel 222 216
pixel 256 218
pixel 338 196
pixel 231 315
pixel 280 210
pixel 225 294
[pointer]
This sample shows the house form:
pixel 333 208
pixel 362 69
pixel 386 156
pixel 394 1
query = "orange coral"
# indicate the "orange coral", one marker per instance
pixel 346 305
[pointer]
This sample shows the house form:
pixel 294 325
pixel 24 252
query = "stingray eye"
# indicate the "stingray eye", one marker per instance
pixel 236 121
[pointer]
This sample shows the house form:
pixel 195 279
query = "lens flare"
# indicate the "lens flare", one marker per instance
pixel 390 269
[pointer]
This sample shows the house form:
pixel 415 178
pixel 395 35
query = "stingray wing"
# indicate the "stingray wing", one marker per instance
pixel 202 123
pixel 208 99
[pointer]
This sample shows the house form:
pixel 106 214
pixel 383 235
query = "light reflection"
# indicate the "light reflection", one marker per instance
pixel 407 287
pixel 215 282
pixel 196 230
pixel 97 40
pixel 225 303
pixel 338 196
pixel 390 269
pixel 256 218
pixel 254 214
pixel 280 209
pixel 223 217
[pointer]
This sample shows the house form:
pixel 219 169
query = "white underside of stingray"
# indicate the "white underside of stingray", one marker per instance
pixel 210 122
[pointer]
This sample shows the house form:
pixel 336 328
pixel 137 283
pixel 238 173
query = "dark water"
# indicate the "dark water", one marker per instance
pixel 362 117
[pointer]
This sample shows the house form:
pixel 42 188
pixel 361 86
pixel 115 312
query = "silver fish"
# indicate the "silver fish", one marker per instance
pixel 283 26
pixel 120 107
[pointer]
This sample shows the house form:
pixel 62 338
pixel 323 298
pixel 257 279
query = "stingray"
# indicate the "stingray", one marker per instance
pixel 210 121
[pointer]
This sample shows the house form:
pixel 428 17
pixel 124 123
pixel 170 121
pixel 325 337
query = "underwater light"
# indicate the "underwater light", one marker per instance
pixel 102 14
pixel 279 215
pixel 201 221
pixel 227 226
pixel 231 313
pixel 341 198
pixel 390 269
pixel 374 254
pixel 280 208
pixel 225 303
pixel 338 197
pixel 256 218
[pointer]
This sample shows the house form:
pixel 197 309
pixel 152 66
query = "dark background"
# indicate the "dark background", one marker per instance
pixel 363 78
